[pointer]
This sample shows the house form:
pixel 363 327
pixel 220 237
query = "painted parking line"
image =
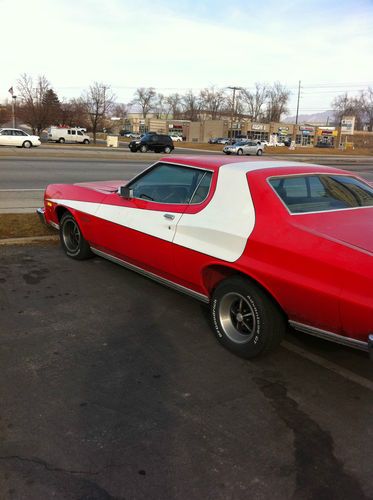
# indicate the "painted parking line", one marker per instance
pixel 329 365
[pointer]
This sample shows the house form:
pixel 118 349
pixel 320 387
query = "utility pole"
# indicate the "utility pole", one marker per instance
pixel 233 105
pixel 296 118
pixel 14 98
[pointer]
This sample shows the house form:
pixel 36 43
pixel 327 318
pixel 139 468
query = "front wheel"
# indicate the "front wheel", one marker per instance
pixel 167 150
pixel 61 140
pixel 86 141
pixel 27 145
pixel 72 240
pixel 240 152
pixel 143 148
pixel 245 319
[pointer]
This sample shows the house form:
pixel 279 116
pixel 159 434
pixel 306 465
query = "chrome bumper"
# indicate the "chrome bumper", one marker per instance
pixel 370 345
pixel 41 215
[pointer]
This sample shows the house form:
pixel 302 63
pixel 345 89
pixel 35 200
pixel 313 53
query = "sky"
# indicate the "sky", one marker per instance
pixel 179 45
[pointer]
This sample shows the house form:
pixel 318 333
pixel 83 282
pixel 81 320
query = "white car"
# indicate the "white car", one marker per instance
pixel 244 148
pixel 18 138
pixel 176 138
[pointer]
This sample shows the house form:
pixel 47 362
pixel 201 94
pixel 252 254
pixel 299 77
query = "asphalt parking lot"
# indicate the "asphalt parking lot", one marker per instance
pixel 113 387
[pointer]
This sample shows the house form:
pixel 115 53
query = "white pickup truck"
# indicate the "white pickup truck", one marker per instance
pixel 62 135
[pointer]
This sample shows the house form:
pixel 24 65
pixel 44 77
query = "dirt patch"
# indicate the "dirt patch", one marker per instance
pixel 22 225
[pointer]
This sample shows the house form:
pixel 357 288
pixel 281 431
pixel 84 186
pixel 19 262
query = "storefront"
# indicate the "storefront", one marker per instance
pixel 326 136
pixel 305 135
pixel 259 132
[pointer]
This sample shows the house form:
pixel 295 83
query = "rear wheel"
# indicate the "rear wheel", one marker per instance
pixel 27 144
pixel 143 148
pixel 167 150
pixel 72 240
pixel 61 140
pixel 259 152
pixel 240 152
pixel 245 318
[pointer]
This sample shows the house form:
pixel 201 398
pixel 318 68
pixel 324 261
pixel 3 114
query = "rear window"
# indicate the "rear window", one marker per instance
pixel 320 193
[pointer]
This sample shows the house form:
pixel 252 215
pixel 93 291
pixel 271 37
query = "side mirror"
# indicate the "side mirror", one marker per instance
pixel 125 192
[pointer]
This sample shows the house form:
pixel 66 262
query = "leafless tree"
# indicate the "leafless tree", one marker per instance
pixel 97 103
pixel 146 98
pixel 174 103
pixel 191 106
pixel 212 101
pixel 5 113
pixel 366 102
pixel 344 105
pixel 39 104
pixel 73 114
pixel 254 101
pixel 277 102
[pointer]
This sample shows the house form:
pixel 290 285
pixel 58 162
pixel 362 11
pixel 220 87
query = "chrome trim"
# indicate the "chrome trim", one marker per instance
pixel 370 345
pixel 155 277
pixel 169 216
pixel 334 337
pixel 53 224
pixel 41 214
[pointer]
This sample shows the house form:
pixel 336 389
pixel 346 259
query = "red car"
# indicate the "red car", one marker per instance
pixel 264 242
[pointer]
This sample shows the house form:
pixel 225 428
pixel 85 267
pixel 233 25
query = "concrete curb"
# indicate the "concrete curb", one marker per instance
pixel 28 240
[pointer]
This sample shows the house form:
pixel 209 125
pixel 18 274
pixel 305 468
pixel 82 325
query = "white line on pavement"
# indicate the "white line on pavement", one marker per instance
pixel 343 372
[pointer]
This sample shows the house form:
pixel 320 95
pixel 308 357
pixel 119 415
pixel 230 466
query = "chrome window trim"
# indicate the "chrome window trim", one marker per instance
pixel 312 174
pixel 326 335
pixel 153 276
pixel 177 165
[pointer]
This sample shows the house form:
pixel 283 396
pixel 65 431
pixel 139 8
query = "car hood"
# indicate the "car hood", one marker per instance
pixel 103 186
pixel 353 227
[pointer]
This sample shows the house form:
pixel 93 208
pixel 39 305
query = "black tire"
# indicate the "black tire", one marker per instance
pixel 72 240
pixel 245 319
pixel 86 141
pixel 240 152
pixel 227 152
pixel 259 152
pixel 27 145
pixel 167 150
pixel 61 140
pixel 143 148
pixel 133 150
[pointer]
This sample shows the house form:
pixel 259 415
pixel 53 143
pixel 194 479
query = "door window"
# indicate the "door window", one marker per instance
pixel 169 184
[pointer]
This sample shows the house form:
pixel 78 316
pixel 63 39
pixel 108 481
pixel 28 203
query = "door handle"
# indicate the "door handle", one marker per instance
pixel 169 216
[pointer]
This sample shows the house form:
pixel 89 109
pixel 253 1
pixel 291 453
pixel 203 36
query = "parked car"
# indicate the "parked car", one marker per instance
pixel 18 138
pixel 265 244
pixel 125 133
pixel 222 140
pixel 68 135
pixel 176 138
pixel 152 142
pixel 213 140
pixel 244 148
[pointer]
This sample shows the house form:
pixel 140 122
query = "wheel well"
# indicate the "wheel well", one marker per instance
pixel 60 211
pixel 215 274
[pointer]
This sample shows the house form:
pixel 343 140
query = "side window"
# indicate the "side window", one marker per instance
pixel 167 184
pixel 203 189
pixel 73 132
pixel 69 132
pixel 80 133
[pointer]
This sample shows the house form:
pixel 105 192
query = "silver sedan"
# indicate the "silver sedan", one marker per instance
pixel 244 148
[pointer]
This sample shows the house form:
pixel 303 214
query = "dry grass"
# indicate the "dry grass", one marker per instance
pixel 22 225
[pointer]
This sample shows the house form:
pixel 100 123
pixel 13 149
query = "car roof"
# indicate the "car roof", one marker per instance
pixel 280 167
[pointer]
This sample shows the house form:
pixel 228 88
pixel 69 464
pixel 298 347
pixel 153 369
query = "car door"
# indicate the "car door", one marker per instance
pixel 7 138
pixel 141 229
pixel 74 137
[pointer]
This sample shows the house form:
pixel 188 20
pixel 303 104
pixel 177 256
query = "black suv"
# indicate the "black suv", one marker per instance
pixel 152 142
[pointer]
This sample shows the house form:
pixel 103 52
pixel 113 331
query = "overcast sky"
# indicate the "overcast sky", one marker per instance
pixel 177 45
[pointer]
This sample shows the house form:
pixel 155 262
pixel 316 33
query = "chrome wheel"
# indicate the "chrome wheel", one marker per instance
pixel 237 318
pixel 71 236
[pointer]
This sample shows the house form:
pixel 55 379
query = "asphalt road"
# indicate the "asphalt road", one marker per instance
pixel 114 387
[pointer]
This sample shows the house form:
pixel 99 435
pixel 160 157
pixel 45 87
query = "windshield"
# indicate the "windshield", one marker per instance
pixel 321 193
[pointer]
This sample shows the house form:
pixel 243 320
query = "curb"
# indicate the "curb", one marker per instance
pixel 28 240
